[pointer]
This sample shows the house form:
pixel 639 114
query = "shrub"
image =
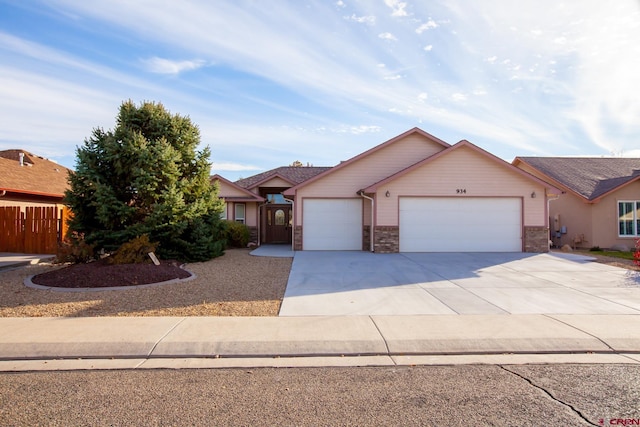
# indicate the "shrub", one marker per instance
pixel 75 250
pixel 146 176
pixel 595 249
pixel 636 254
pixel 236 234
pixel 135 251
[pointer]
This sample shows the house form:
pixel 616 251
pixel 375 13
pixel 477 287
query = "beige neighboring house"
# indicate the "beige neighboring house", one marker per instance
pixel 412 193
pixel 30 180
pixel 600 204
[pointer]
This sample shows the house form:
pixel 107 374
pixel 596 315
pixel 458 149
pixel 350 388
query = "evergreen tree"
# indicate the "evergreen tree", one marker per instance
pixel 146 177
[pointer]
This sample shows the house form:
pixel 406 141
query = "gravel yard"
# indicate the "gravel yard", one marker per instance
pixel 236 284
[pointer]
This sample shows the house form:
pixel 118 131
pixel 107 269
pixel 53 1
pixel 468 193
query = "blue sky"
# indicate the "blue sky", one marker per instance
pixel 271 82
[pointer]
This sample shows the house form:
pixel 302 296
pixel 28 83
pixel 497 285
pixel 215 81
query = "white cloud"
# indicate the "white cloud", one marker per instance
pixel 217 167
pixel 397 7
pixel 394 77
pixel 423 96
pixel 387 36
pixel 430 24
pixel 357 130
pixel 369 20
pixel 581 91
pixel 167 66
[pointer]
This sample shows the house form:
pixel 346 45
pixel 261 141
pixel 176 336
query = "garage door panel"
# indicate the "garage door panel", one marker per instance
pixel 432 224
pixel 332 224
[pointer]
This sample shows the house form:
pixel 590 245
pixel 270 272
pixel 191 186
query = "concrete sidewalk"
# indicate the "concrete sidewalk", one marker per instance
pixel 184 342
pixel 14 260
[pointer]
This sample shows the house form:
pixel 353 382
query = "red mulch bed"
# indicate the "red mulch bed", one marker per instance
pixel 101 274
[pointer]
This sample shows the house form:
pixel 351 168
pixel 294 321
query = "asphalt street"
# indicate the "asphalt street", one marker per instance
pixel 478 395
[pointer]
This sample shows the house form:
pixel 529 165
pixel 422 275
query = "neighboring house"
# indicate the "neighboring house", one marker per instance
pixel 30 180
pixel 32 216
pixel 413 193
pixel 601 201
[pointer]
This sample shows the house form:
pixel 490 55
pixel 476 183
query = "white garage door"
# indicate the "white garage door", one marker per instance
pixel 433 224
pixel 332 224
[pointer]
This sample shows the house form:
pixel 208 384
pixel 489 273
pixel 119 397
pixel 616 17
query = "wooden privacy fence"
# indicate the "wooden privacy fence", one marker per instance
pixel 37 230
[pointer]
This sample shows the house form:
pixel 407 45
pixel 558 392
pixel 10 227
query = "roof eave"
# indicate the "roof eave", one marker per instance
pixel 613 190
pixel 237 187
pixel 34 193
pixel 559 186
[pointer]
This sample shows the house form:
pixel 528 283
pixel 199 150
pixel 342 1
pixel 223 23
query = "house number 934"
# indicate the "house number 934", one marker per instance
pixel 461 191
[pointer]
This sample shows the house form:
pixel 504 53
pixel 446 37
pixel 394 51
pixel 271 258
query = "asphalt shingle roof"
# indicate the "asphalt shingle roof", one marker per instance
pixel 590 177
pixel 38 175
pixel 295 174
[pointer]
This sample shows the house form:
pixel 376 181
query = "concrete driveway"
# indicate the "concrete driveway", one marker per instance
pixel 363 283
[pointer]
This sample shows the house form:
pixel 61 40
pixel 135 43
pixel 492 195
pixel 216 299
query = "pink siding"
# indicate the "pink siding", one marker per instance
pixel 275 182
pixel 463 169
pixel 226 190
pixel 251 214
pixel 574 214
pixel 605 218
pixel 370 169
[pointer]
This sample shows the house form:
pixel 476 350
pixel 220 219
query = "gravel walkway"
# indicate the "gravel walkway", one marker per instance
pixel 236 284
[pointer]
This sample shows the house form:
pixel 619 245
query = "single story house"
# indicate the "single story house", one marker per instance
pixel 412 193
pixel 29 180
pixel 600 206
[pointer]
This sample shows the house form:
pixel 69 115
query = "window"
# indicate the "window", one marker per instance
pixel 279 215
pixel 223 214
pixel 240 212
pixel 276 198
pixel 629 218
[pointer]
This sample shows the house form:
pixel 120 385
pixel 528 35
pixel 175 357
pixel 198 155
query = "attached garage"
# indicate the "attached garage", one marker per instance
pixel 460 224
pixel 332 224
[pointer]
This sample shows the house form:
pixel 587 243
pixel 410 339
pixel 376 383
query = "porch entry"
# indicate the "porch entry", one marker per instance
pixel 277 223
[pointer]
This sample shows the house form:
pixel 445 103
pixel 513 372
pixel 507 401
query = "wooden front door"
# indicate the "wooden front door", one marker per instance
pixel 278 224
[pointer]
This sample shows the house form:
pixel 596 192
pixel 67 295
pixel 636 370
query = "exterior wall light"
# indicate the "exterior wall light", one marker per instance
pixel 533 194
pixel 388 194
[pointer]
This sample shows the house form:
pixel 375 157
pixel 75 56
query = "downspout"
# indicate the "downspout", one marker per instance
pixel 3 193
pixel 293 225
pixel 361 194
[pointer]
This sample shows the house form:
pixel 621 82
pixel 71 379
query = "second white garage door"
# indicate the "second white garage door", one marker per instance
pixel 332 224
pixel 440 224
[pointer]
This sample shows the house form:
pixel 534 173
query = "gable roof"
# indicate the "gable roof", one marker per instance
pixel 37 176
pixel 247 195
pixel 460 144
pixel 292 174
pixel 589 177
pixel 415 130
